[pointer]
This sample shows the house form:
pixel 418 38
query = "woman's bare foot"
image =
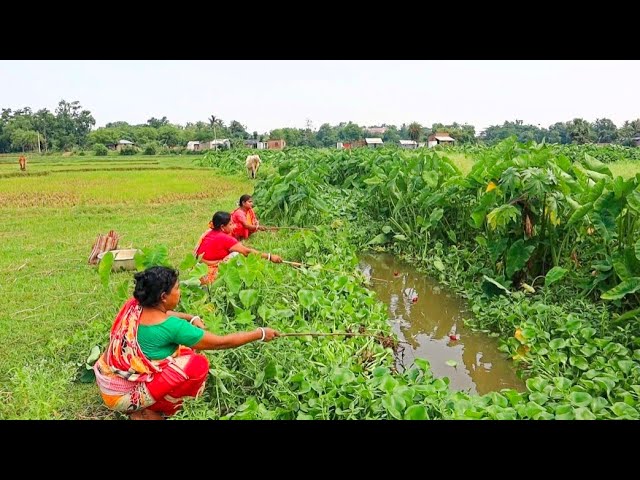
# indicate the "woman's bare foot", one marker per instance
pixel 146 414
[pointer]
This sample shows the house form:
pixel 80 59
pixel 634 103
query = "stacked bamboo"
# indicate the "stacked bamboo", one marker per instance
pixel 103 243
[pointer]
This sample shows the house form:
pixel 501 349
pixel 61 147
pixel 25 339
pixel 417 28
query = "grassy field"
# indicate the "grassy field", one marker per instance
pixel 49 224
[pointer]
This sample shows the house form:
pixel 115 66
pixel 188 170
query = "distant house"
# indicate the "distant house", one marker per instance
pixel 373 142
pixel 376 130
pixel 276 144
pixel 439 138
pixel 408 144
pixel 253 143
pixel 636 141
pixel 119 146
pixel 193 145
pixel 221 143
pixel 214 144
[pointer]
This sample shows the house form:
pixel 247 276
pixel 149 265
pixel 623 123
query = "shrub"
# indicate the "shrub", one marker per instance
pixel 128 151
pixel 100 150
pixel 149 149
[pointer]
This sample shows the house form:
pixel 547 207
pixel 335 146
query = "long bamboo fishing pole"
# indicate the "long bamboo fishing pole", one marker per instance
pixel 298 264
pixel 280 228
pixel 332 334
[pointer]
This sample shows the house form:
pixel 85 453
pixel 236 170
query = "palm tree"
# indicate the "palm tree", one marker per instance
pixel 213 122
pixel 415 129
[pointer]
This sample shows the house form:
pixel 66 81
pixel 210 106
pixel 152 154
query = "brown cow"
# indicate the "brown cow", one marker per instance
pixel 253 164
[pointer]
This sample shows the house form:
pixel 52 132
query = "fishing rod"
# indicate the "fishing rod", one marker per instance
pixel 346 334
pixel 291 228
pixel 298 264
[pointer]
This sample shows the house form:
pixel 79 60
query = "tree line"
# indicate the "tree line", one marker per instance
pixel 70 127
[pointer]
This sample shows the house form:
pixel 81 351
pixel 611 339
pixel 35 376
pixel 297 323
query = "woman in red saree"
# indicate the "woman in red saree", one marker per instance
pixel 151 363
pixel 218 245
pixel 244 218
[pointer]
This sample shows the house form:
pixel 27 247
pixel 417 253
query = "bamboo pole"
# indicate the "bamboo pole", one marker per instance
pixel 334 334
pixel 298 264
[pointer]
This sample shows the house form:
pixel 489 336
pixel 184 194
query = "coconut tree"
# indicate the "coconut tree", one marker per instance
pixel 415 130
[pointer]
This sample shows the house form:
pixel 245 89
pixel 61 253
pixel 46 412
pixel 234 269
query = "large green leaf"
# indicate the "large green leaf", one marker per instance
pixel 87 376
pixel 579 362
pixel 622 289
pixel 637 249
pixel 435 216
pixel 480 211
pixel 104 268
pixel 517 256
pixel 194 275
pixel 553 275
pixel 430 177
pixel 580 213
pixel 633 201
pixel 94 355
pixel 536 384
pixel 395 405
pixel 378 239
pixel 342 376
pixel 497 247
pixel 565 412
pixel 373 181
pixel 502 216
pixel 422 364
pixel 416 412
pixel 583 413
pixel 248 273
pixel 622 188
pixel 139 260
pixel 245 317
pixel 596 165
pixel 122 292
pixel 189 262
pixel 621 267
pixel 496 283
pixel 621 409
pixel 232 278
pixel 248 297
pixel 627 316
pixel 626 366
pixel 157 255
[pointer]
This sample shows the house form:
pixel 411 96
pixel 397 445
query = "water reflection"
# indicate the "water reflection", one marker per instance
pixel 430 319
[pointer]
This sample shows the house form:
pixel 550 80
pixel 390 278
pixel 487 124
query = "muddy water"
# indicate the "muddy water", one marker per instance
pixel 429 318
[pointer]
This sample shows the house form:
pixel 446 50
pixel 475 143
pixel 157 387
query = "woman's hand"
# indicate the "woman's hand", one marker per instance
pixel 276 258
pixel 197 321
pixel 270 334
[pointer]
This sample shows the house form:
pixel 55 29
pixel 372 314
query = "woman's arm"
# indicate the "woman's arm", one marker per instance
pixel 211 341
pixel 248 226
pixel 244 250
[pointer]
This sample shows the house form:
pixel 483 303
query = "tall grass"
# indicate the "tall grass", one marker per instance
pixel 52 297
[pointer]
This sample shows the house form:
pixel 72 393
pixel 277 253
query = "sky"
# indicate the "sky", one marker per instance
pixel 264 95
